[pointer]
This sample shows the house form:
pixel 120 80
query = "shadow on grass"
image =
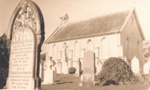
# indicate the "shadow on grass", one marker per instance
pixel 57 80
pixel 110 82
pixel 63 82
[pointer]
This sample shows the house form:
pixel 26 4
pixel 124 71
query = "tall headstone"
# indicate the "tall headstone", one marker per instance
pixel 26 35
pixel 135 66
pixel 88 68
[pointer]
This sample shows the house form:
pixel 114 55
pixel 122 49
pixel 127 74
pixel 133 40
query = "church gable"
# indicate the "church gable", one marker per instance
pixel 132 37
pixel 137 30
pixel 93 27
pixel 132 26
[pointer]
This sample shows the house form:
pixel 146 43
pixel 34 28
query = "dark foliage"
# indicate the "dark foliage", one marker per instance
pixel 117 72
pixel 147 54
pixel 72 70
pixel 146 49
pixel 4 57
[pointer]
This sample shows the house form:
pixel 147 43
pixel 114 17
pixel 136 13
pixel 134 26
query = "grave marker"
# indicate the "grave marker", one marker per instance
pixel 146 69
pixel 135 66
pixel 26 34
pixel 49 73
pixel 88 68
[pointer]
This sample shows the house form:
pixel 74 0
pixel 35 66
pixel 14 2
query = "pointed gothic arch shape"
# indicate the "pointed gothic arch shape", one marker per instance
pixel 23 7
pixel 104 48
pixel 127 48
pixel 89 45
pixel 28 17
pixel 54 52
pixel 76 51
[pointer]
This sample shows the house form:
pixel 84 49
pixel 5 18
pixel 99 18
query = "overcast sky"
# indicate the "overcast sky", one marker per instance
pixel 77 10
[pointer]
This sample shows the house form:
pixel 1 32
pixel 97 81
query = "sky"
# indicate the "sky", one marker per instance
pixel 77 10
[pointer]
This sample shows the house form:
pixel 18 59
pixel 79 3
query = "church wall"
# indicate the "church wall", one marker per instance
pixel 104 47
pixel 131 40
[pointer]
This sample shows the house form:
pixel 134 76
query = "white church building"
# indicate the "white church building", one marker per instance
pixel 114 35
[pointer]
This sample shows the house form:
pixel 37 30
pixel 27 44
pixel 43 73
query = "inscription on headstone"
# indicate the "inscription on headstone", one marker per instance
pixel 21 60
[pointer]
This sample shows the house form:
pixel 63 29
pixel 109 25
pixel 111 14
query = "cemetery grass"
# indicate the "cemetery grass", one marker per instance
pixel 71 82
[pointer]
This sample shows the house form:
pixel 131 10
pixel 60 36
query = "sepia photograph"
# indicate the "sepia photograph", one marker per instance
pixel 74 44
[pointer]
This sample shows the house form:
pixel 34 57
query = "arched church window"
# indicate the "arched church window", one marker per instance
pixel 104 48
pixel 89 45
pixel 127 48
pixel 65 52
pixel 54 57
pixel 138 46
pixel 76 50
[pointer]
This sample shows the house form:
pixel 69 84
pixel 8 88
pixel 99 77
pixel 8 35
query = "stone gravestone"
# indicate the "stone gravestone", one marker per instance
pixel 135 66
pixel 49 72
pixel 59 67
pixel 88 68
pixel 26 35
pixel 146 69
pixel 99 65
pixel 53 70
pixel 77 65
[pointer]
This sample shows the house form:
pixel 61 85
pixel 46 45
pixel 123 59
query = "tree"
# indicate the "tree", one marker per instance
pixel 4 59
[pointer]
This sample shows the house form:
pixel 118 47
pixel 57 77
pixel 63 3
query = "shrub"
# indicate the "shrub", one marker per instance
pixel 72 70
pixel 3 76
pixel 4 59
pixel 117 72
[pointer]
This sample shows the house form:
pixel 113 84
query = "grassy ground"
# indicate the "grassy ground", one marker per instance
pixel 71 82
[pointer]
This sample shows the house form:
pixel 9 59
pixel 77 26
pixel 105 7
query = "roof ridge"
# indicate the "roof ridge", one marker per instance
pixel 93 26
pixel 101 16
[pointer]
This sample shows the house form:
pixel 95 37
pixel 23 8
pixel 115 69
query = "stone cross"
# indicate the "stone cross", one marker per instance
pixel 26 35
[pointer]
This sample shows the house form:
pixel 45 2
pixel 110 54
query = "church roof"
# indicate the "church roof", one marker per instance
pixel 93 27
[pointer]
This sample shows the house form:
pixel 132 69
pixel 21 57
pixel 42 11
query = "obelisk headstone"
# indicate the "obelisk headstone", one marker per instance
pixel 88 75
pixel 26 34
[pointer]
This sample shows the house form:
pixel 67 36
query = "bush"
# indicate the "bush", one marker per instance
pixel 72 70
pixel 4 59
pixel 3 77
pixel 117 72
